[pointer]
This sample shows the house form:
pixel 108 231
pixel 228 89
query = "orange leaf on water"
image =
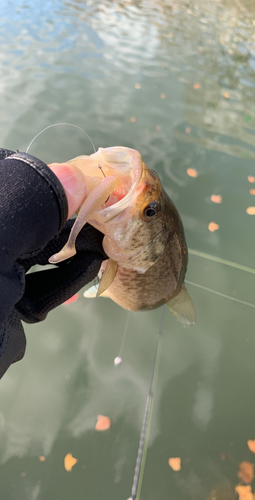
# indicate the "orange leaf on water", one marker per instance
pixel 244 492
pixel 216 198
pixel 246 472
pixel 213 227
pixel 192 172
pixel 250 210
pixel 251 178
pixel 175 463
pixel 69 461
pixel 251 445
pixel 103 423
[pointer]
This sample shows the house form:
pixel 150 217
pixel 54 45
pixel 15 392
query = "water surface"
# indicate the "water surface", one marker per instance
pixel 176 82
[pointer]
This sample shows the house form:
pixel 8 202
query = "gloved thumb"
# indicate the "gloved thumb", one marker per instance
pixel 73 182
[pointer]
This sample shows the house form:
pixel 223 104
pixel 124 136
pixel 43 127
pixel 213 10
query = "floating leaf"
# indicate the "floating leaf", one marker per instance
pixel 216 198
pixel 196 85
pixel 42 458
pixel 213 227
pixel 226 95
pixel 250 210
pixel 192 172
pixel 246 472
pixel 251 445
pixel 69 461
pixel 251 178
pixel 244 492
pixel 72 299
pixel 103 423
pixel 175 463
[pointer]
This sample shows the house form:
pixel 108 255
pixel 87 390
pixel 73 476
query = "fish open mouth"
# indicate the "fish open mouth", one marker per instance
pixel 127 164
pixel 118 161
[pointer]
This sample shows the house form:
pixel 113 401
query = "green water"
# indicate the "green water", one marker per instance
pixel 81 62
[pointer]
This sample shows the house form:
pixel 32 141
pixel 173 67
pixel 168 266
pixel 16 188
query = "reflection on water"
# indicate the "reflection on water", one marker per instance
pixel 174 80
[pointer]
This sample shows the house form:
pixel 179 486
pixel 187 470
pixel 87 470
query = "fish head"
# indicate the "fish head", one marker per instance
pixel 139 218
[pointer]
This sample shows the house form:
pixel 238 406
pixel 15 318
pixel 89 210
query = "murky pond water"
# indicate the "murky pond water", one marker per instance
pixel 176 81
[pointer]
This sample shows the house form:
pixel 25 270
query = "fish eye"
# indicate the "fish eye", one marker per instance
pixel 151 210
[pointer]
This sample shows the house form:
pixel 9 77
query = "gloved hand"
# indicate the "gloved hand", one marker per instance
pixel 33 226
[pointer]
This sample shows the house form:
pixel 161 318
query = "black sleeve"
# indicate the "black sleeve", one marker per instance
pixel 32 227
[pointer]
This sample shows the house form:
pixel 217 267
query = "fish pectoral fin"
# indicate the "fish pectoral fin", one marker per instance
pixel 105 294
pixel 183 308
pixel 108 276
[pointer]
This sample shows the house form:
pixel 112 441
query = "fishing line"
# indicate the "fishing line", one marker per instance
pixel 118 359
pixel 101 168
pixel 56 125
pixel 221 294
pixel 145 432
pixel 222 261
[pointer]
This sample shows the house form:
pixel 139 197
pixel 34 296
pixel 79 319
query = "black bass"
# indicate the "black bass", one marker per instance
pixel 144 237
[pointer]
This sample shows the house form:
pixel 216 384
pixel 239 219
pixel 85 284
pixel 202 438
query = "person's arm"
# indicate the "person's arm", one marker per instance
pixel 33 214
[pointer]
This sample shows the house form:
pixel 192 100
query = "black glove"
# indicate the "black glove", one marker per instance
pixel 32 228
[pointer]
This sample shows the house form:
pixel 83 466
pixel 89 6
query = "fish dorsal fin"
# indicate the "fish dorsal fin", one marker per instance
pixel 108 276
pixel 183 308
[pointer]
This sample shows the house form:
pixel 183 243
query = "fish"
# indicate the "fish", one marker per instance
pixel 143 234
